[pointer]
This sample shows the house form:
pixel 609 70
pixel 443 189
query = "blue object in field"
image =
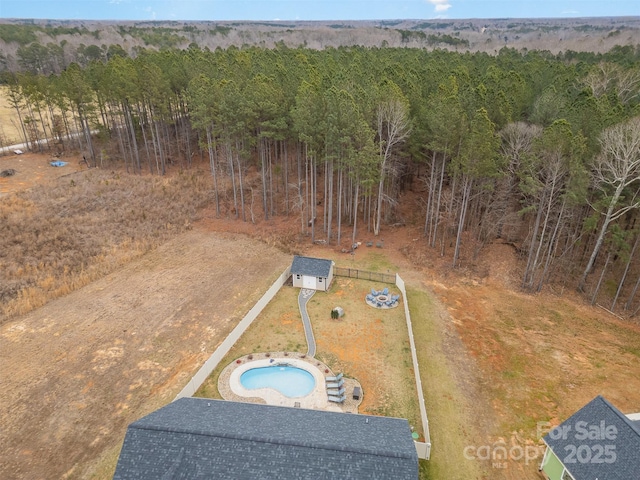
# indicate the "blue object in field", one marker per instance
pixel 57 163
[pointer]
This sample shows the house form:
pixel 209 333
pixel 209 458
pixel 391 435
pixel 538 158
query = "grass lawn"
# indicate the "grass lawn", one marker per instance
pixel 367 344
pixel 443 398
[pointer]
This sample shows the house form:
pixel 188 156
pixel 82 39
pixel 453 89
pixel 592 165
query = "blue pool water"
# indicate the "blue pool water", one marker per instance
pixel 290 381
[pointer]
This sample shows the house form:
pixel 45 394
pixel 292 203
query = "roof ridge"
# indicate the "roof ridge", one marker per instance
pixel 621 415
pixel 258 438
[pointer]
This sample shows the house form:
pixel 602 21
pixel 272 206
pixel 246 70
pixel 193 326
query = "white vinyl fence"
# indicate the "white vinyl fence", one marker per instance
pixel 423 448
pixel 215 358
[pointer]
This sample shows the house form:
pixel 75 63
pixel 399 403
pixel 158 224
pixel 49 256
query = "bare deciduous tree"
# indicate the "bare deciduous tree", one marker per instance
pixel 393 129
pixel 616 174
pixel 607 77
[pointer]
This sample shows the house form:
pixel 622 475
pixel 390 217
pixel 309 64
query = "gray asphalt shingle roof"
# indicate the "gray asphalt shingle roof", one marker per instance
pixel 194 437
pixel 599 442
pixel 314 267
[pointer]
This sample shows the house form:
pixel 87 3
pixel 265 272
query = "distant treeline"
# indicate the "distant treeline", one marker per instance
pixel 25 34
pixel 43 48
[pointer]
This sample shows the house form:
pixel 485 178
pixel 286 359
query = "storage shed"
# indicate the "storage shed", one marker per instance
pixel 312 273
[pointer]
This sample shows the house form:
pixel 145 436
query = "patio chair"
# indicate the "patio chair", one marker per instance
pixel 334 379
pixel 335 384
pixel 385 291
pixel 374 292
pixel 336 399
pixel 336 392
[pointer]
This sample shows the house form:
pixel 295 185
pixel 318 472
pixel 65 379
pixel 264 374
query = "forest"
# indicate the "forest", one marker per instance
pixel 538 150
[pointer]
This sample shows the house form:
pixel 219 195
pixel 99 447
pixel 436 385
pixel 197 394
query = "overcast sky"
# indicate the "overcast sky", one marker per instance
pixel 312 9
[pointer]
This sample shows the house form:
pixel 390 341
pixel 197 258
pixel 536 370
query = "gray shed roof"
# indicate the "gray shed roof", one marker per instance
pixel 314 267
pixel 195 437
pixel 611 449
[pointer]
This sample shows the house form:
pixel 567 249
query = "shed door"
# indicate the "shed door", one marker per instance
pixel 308 282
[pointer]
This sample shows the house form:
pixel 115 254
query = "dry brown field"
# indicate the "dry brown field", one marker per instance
pixel 9 133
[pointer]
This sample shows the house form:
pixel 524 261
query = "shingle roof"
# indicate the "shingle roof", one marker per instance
pixel 611 449
pixel 194 437
pixel 315 267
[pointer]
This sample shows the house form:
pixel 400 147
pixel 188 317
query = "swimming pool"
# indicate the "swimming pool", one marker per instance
pixel 290 381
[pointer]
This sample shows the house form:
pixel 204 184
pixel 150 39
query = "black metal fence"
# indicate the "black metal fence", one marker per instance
pixel 363 275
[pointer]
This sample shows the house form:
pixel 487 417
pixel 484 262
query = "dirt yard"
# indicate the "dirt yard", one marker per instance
pixel 76 372
pixel 34 169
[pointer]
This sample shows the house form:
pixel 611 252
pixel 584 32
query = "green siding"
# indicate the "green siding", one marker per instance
pixel 552 466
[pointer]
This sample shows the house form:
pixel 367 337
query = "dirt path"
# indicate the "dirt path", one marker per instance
pixel 75 373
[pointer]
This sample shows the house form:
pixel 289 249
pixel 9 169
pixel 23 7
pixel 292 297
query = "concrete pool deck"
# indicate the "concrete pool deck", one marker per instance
pixel 230 387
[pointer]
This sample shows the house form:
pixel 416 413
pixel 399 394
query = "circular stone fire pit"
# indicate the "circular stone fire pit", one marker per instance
pixel 382 299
